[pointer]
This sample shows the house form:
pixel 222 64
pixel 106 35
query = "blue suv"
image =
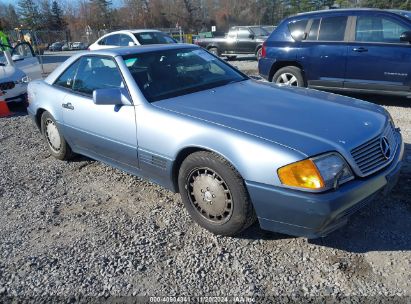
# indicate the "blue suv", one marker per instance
pixel 356 50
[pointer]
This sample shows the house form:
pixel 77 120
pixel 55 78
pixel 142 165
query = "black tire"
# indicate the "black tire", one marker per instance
pixel 231 57
pixel 210 177
pixel 50 131
pixel 292 73
pixel 214 51
pixel 258 53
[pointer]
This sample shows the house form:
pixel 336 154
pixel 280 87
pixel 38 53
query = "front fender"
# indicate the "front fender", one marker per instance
pixel 165 133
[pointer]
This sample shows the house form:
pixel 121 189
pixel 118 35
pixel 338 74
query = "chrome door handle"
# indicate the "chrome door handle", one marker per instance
pixel 360 50
pixel 68 106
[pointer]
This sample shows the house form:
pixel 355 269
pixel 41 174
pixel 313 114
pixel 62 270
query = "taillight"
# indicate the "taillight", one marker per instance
pixel 264 51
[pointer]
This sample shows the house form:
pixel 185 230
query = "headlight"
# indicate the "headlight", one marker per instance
pixel 318 174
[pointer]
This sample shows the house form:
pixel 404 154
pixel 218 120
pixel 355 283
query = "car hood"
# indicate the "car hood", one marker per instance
pixel 306 120
pixel 10 73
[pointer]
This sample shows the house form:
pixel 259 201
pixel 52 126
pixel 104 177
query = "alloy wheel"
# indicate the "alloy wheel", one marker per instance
pixel 287 79
pixel 210 195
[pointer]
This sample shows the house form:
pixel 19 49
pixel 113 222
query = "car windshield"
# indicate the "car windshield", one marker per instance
pixel 259 31
pixel 171 73
pixel 153 38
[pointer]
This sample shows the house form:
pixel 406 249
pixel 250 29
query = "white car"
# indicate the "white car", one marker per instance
pixel 131 38
pixel 17 68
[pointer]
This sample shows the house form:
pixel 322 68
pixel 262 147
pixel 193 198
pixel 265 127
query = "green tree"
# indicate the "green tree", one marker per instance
pixel 29 14
pixel 57 16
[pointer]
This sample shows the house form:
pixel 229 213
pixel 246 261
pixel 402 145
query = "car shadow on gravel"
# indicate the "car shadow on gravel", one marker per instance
pixel 18 108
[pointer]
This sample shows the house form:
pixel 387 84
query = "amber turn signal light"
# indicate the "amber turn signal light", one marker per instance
pixel 302 174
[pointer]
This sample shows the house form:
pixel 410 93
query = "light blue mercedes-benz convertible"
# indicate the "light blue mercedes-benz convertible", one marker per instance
pixel 299 160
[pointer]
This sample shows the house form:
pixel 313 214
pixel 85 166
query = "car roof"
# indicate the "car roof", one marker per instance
pixel 129 50
pixel 342 10
pixel 133 31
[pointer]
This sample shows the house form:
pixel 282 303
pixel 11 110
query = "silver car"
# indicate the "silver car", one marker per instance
pixel 298 160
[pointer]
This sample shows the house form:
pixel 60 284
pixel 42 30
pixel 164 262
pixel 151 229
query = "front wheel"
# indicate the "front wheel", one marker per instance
pixel 214 194
pixel 289 76
pixel 56 143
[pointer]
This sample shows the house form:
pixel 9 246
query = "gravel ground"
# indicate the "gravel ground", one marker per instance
pixel 82 228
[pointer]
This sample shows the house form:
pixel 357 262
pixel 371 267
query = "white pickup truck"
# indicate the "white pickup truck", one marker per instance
pixel 17 68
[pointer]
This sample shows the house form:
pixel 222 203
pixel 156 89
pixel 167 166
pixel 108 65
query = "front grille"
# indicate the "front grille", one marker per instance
pixel 369 156
pixel 4 86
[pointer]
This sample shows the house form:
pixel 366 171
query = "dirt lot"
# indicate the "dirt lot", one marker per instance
pixel 82 228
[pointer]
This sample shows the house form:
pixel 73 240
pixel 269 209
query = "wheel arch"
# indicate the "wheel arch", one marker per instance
pixel 39 113
pixel 282 64
pixel 183 154
pixel 257 48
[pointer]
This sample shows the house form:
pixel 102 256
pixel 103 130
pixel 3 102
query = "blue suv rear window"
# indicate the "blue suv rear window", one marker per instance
pixel 297 28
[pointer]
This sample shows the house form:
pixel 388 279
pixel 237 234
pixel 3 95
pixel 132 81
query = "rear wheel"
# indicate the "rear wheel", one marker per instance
pixel 290 76
pixel 214 194
pixel 214 51
pixel 56 143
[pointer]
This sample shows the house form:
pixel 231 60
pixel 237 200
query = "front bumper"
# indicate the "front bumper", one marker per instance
pixel 314 215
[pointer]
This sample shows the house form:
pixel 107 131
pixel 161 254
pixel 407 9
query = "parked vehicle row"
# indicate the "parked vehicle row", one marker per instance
pixel 236 149
pixel 67 46
pixel 351 50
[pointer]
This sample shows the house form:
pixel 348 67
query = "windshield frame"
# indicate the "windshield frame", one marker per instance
pixel 187 90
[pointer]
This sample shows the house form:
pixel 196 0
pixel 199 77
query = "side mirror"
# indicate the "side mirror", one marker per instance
pixel 252 36
pixel 406 36
pixel 111 96
pixel 17 58
pixel 131 43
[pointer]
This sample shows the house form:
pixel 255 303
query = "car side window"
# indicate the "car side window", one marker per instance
pixel 378 29
pixel 96 72
pixel 313 33
pixel 113 39
pixel 125 40
pixel 332 28
pixel 297 28
pixel 102 42
pixel 243 33
pixel 67 78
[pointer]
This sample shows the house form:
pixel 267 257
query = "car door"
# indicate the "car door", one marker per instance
pixel 105 132
pixel 323 51
pixel 25 60
pixel 245 41
pixel 377 59
pixel 230 42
